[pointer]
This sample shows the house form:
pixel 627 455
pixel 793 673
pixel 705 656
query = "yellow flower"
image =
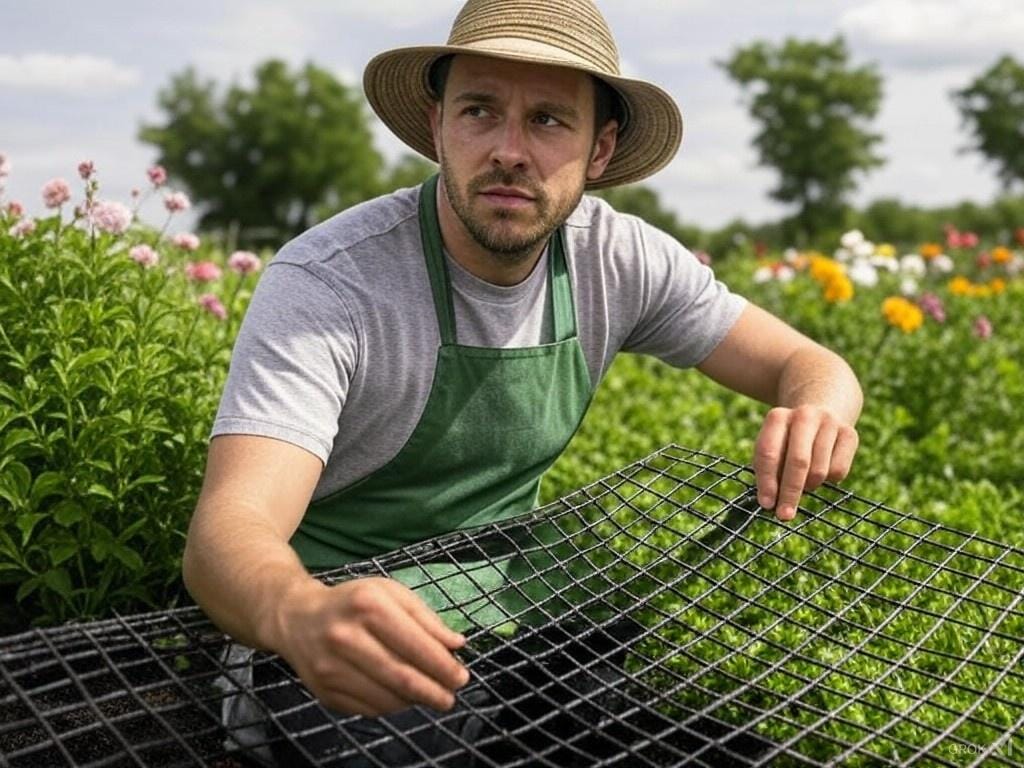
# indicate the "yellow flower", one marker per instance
pixel 902 313
pixel 931 250
pixel 887 250
pixel 981 291
pixel 997 284
pixel 824 269
pixel 960 286
pixel 838 289
pixel 1001 254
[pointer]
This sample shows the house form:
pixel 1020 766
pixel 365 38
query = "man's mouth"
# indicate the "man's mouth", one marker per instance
pixel 509 196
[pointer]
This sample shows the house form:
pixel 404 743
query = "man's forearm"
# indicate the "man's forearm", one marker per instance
pixel 817 376
pixel 242 574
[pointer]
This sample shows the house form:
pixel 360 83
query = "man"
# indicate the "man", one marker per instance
pixel 413 365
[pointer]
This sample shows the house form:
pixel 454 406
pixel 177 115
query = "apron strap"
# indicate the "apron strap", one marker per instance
pixel 560 293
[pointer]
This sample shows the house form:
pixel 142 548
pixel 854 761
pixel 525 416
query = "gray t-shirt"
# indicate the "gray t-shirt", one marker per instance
pixel 337 349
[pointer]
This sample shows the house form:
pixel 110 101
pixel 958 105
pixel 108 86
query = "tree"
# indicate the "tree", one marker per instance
pixel 807 100
pixel 644 202
pixel 992 106
pixel 268 158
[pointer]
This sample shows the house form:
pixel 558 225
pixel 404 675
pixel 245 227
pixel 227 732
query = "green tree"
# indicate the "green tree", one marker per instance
pixel 992 107
pixel 644 202
pixel 269 158
pixel 808 100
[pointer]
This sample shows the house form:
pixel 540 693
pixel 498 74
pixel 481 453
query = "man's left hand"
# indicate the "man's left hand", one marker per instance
pixel 798 449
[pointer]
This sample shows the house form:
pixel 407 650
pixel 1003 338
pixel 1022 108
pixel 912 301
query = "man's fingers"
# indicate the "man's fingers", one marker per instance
pixel 803 430
pixel 427 619
pixel 769 453
pixel 353 691
pixel 847 441
pixel 365 652
pixel 821 460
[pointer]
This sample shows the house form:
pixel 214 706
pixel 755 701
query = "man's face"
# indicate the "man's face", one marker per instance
pixel 516 145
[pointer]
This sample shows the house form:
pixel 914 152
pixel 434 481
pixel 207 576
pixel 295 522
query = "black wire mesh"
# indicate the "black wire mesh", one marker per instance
pixel 655 617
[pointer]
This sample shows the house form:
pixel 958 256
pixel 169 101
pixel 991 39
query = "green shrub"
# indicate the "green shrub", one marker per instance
pixel 110 372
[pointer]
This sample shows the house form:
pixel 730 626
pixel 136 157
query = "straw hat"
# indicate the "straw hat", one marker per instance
pixel 565 33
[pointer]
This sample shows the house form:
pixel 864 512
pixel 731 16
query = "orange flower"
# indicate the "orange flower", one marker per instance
pixel 1001 254
pixel 997 284
pixel 824 269
pixel 960 286
pixel 838 289
pixel 902 313
pixel 931 250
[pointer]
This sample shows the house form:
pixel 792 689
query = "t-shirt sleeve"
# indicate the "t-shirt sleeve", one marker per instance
pixel 685 311
pixel 294 356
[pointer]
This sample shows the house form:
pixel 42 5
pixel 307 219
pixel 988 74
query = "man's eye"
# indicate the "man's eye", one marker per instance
pixel 473 111
pixel 547 119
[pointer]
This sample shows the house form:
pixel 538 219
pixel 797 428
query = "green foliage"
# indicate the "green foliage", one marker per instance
pixel 109 374
pixel 806 99
pixel 268 157
pixel 992 107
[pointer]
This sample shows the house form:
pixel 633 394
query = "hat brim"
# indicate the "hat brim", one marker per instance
pixel 396 85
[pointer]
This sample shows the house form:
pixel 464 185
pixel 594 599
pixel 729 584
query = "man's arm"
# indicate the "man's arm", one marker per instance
pixel 365 646
pixel 809 437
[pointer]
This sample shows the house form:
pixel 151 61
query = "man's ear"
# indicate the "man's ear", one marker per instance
pixel 435 114
pixel 604 148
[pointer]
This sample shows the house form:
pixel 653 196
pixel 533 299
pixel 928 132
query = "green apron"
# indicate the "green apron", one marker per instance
pixel 495 420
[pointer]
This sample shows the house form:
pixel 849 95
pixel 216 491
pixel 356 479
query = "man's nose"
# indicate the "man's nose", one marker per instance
pixel 510 150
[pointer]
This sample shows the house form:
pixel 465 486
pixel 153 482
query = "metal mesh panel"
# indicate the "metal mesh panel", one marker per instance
pixel 656 617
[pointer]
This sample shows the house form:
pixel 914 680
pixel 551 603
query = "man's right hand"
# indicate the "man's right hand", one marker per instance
pixel 369 646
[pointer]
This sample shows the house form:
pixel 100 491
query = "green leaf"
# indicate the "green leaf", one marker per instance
pixel 59 581
pixel 100 490
pixel 145 480
pixel 25 524
pixel 130 531
pixel 67 512
pixel 47 484
pixel 91 357
pixel 27 588
pixel 61 552
pixel 17 437
pixel 14 483
pixel 99 549
pixel 129 557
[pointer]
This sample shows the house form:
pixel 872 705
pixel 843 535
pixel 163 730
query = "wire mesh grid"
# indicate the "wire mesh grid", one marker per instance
pixel 655 617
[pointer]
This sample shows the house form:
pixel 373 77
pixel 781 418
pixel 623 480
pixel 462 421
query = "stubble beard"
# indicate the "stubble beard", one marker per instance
pixel 511 248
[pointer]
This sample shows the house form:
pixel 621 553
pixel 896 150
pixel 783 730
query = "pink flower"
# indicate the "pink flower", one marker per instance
pixel 984 260
pixel 1018 233
pixel 177 201
pixel 15 209
pixel 932 305
pixel 203 272
pixel 109 216
pixel 244 262
pixel 157 175
pixel 86 169
pixel 5 165
pixel 56 192
pixel 144 255
pixel 23 227
pixel 212 304
pixel 186 241
pixel 982 327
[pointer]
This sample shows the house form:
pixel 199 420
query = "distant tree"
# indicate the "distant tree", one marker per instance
pixel 408 171
pixel 807 100
pixel 270 157
pixel 992 106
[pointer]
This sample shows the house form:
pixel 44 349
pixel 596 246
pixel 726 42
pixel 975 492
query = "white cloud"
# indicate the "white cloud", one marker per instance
pixel 393 13
pixel 66 73
pixel 936 33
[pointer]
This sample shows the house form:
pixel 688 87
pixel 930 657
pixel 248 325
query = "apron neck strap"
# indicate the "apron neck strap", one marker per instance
pixel 560 293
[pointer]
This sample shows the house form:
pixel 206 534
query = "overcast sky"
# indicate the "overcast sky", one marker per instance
pixel 76 80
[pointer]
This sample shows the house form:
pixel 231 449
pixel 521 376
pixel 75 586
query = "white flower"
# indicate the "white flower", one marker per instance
pixel 110 216
pixel 942 263
pixel 912 265
pixel 852 239
pixel 843 254
pixel 884 262
pixel 763 275
pixel 908 287
pixel 784 274
pixel 864 249
pixel 790 255
pixel 1015 266
pixel 863 273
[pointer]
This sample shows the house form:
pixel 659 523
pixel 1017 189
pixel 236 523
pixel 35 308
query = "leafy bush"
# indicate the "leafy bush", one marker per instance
pixel 111 366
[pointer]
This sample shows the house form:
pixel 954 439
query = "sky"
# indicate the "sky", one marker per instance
pixel 78 79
